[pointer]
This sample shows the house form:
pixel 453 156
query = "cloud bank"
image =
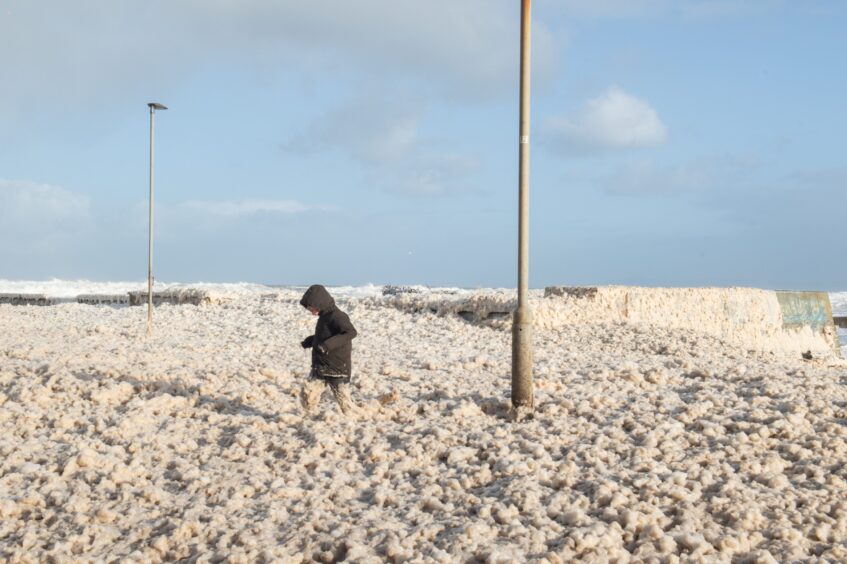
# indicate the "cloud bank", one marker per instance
pixel 383 135
pixel 39 222
pixel 615 120
pixel 30 208
pixel 96 50
pixel 238 208
pixel 686 9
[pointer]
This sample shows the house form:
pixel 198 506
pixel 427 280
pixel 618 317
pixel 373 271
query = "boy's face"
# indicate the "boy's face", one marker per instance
pixel 313 310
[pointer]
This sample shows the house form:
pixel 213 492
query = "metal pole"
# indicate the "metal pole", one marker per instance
pixel 150 237
pixel 522 394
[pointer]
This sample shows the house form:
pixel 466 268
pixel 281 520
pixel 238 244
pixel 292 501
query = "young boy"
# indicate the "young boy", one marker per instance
pixel 331 351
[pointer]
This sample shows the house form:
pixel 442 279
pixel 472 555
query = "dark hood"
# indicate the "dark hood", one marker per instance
pixel 317 296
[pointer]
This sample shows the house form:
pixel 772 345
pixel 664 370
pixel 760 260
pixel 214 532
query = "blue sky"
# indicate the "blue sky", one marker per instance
pixel 674 143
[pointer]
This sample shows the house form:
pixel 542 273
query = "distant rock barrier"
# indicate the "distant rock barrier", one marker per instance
pixel 26 299
pixel 392 290
pixel 180 296
pixel 103 299
pixel 190 296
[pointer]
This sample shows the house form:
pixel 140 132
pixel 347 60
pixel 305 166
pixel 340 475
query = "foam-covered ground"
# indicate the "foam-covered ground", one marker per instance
pixel 839 307
pixel 646 442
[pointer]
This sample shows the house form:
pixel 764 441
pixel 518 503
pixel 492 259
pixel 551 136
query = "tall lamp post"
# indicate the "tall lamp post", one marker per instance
pixel 522 395
pixel 153 107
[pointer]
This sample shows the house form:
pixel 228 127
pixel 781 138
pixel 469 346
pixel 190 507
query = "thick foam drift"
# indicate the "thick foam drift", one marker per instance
pixel 789 323
pixel 780 322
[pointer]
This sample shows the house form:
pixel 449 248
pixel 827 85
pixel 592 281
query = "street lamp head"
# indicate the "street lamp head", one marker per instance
pixel 156 106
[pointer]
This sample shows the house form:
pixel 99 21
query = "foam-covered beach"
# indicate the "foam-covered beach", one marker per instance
pixel 650 441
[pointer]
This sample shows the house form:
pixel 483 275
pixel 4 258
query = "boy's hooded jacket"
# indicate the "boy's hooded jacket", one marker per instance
pixel 331 344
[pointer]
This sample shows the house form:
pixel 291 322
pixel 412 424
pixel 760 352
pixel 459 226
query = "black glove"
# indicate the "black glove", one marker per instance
pixel 307 342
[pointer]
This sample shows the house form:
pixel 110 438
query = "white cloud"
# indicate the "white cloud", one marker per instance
pixel 38 218
pixel 471 44
pixel 645 177
pixel 235 208
pixel 726 182
pixel 434 174
pixel 612 8
pixel 615 120
pixel 35 207
pixel 382 133
pixel 706 9
pixel 700 177
pixel 634 9
pixel 373 130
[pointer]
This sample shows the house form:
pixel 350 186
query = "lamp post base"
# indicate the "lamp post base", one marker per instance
pixel 522 396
